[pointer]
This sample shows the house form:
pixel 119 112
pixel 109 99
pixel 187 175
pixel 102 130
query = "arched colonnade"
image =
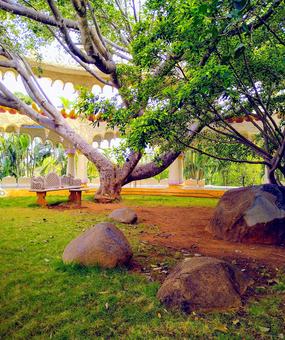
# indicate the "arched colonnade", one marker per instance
pixel 62 79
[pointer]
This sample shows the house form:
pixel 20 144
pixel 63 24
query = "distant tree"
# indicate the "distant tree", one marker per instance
pixel 13 152
pixel 20 157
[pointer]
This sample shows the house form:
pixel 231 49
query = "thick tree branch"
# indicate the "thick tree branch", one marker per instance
pixel 34 14
pixel 62 27
pixel 90 36
pixel 153 168
pixel 9 98
pixel 46 19
pixel 94 19
pixel 130 164
pixel 277 158
pixel 80 62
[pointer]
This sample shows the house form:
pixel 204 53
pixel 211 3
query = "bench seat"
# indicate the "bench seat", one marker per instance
pixel 55 189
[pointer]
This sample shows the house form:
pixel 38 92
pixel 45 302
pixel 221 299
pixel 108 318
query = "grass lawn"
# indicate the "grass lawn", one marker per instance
pixel 43 298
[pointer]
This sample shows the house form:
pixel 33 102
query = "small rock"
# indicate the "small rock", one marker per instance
pixel 124 215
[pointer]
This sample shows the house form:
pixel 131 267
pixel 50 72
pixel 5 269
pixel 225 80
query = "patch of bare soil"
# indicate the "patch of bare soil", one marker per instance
pixel 184 229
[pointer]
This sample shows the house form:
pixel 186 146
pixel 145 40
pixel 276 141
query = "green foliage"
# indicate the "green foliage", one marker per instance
pixel 66 103
pixel 118 155
pixel 222 173
pixel 22 157
pixel 92 171
pixel 26 99
pixel 96 108
pixel 163 175
pixel 50 164
pixel 279 283
pixel 14 149
pixel 211 161
pixel 194 165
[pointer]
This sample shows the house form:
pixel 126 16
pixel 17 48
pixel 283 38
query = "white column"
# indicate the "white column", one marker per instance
pixel 265 178
pixel 176 172
pixel 82 168
pixel 70 162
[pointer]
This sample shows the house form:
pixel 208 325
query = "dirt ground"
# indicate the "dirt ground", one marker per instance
pixel 184 229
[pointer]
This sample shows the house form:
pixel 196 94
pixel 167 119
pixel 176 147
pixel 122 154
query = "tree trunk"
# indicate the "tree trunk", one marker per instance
pixel 110 187
pixel 282 169
pixel 112 178
pixel 272 177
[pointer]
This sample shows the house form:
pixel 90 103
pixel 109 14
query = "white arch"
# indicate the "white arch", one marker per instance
pixel 45 81
pixel 69 87
pixel 10 75
pixel 97 138
pixel 97 90
pixel 104 144
pixel 109 136
pixel 107 91
pixel 58 85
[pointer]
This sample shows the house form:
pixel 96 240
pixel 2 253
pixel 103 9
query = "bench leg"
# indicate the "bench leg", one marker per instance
pixel 72 196
pixel 78 198
pixel 41 199
pixel 75 197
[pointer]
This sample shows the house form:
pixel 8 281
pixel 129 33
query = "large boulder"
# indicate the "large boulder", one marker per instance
pixel 203 284
pixel 124 215
pixel 252 215
pixel 103 245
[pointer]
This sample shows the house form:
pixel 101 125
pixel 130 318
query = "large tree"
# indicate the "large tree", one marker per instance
pixel 168 58
pixel 94 33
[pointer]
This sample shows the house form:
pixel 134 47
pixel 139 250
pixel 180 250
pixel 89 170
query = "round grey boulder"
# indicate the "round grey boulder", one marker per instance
pixel 124 215
pixel 103 245
pixel 203 284
pixel 251 215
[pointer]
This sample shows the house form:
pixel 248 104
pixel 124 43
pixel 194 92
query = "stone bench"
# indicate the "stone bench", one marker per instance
pixel 52 182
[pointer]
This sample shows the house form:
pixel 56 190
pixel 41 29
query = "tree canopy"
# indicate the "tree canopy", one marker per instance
pixel 218 61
